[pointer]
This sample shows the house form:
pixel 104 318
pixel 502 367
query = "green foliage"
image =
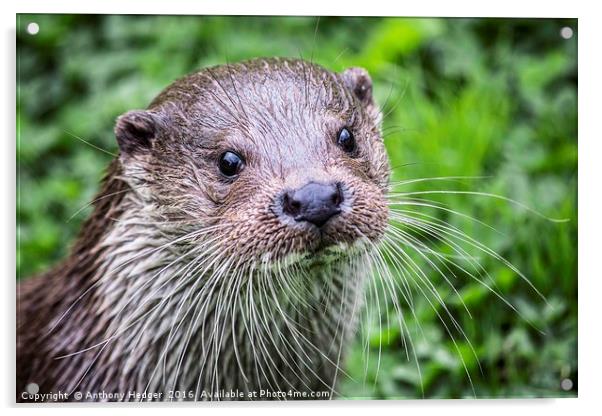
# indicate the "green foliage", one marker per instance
pixel 464 97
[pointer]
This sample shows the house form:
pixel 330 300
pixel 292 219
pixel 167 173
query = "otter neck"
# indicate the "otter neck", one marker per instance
pixel 159 318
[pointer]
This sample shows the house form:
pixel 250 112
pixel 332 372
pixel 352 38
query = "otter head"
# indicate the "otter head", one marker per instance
pixel 269 159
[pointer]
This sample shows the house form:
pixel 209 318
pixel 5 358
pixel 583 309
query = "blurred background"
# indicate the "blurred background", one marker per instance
pixel 488 98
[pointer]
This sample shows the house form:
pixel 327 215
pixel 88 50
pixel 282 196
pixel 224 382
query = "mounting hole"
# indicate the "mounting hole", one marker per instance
pixel 566 32
pixel 566 384
pixel 32 388
pixel 33 28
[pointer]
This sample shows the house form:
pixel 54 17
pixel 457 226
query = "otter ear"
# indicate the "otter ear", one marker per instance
pixel 135 131
pixel 359 81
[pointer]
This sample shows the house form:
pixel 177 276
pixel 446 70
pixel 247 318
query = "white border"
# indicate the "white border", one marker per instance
pixel 312 7
pixel 590 277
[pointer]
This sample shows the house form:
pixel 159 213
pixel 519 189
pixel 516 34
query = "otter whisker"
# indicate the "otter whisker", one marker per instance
pixel 104 344
pixel 201 302
pixel 380 329
pixel 266 312
pixel 296 331
pixel 401 183
pixel 416 245
pixel 433 204
pixel 238 280
pixel 202 261
pixel 258 309
pixel 487 195
pixel 398 99
pixel 439 225
pixel 401 322
pixel 385 276
pixel 100 198
pixel 112 271
pixel 423 278
pixel 90 144
pixel 223 304
pixel 135 297
pixel 340 349
pixel 187 277
pixel 216 338
pixel 431 228
pixel 289 325
pixel 417 271
pixel 407 239
pixel 463 237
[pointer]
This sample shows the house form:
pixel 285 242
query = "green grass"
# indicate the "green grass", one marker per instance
pixel 491 98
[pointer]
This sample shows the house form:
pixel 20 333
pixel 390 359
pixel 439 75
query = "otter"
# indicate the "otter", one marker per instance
pixel 227 250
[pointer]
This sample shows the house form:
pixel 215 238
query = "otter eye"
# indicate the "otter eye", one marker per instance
pixel 346 140
pixel 230 163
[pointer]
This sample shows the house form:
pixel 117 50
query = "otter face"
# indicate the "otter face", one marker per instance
pixel 279 158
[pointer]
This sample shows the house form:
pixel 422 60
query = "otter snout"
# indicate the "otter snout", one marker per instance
pixel 314 202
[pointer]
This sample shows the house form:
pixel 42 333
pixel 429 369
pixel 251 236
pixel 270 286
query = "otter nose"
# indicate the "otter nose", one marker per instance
pixel 315 202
